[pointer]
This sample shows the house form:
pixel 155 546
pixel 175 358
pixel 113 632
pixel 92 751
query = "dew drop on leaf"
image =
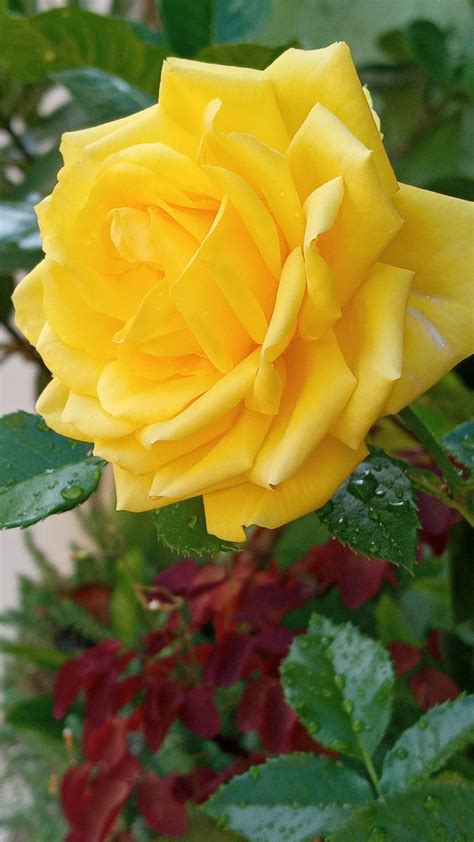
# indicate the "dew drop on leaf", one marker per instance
pixel 431 804
pixel 378 835
pixel 72 493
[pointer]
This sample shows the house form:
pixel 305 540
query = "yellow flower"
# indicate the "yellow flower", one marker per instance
pixel 235 288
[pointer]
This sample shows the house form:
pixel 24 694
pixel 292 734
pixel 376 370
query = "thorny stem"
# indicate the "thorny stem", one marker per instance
pixel 416 426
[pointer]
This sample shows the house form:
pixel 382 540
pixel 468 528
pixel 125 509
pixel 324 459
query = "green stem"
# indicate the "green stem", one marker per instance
pixel 439 456
pixel 372 773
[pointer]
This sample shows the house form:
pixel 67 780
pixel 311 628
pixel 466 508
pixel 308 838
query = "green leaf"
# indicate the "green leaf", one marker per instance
pixel 296 797
pixel 182 527
pixel 20 245
pixel 460 444
pixel 257 56
pixel 202 829
pixel 192 25
pixel 442 154
pixel 34 47
pixel 104 97
pixel 428 45
pixel 240 19
pixel 40 177
pixel 428 745
pixel 433 813
pixel 340 684
pixel 391 625
pixel 41 473
pixel 374 511
pixel 41 656
pixel 124 605
pixel 35 715
pixel 394 44
pixel 187 24
pixel 299 537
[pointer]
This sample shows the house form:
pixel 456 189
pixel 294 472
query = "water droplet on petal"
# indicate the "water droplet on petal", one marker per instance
pixel 401 753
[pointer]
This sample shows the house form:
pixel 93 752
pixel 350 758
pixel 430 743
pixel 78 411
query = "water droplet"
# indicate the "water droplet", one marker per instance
pixel 313 728
pixel 192 521
pixel 423 722
pixel 348 706
pixel 363 486
pixel 401 753
pixel 378 835
pixel 72 493
pixel 340 681
pixel 254 772
pixel 380 492
pixel 431 804
pixel 374 547
pixel 357 726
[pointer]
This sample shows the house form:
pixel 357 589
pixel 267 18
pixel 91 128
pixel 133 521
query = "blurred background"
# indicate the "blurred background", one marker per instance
pixel 68 65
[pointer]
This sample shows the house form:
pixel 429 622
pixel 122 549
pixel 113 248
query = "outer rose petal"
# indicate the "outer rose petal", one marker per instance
pixel 371 338
pixel 328 466
pixel 28 302
pixel 303 77
pixel 248 99
pixel 437 243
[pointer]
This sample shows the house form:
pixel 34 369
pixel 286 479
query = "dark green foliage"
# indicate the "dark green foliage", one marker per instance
pixel 297 797
pixel 33 48
pixel 41 473
pixel 340 684
pixel 103 96
pixel 182 527
pixel 374 511
pixel 428 745
pixel 20 246
pixel 426 814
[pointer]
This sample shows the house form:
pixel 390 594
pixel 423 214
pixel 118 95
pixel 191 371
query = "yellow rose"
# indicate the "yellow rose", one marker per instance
pixel 235 288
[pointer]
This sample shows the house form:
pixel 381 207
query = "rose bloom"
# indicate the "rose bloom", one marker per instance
pixel 235 288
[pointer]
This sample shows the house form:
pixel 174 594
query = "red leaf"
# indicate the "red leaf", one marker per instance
pixel 249 711
pixel 161 707
pixel 273 640
pixel 272 598
pixel 199 713
pixel 106 744
pixel 73 790
pixel 404 656
pixel 179 577
pixel 278 720
pixel 433 644
pixel 99 813
pixel 79 673
pixel 100 696
pixel 158 806
pixel 126 690
pixel 431 687
pixel 228 659
pixel 357 577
